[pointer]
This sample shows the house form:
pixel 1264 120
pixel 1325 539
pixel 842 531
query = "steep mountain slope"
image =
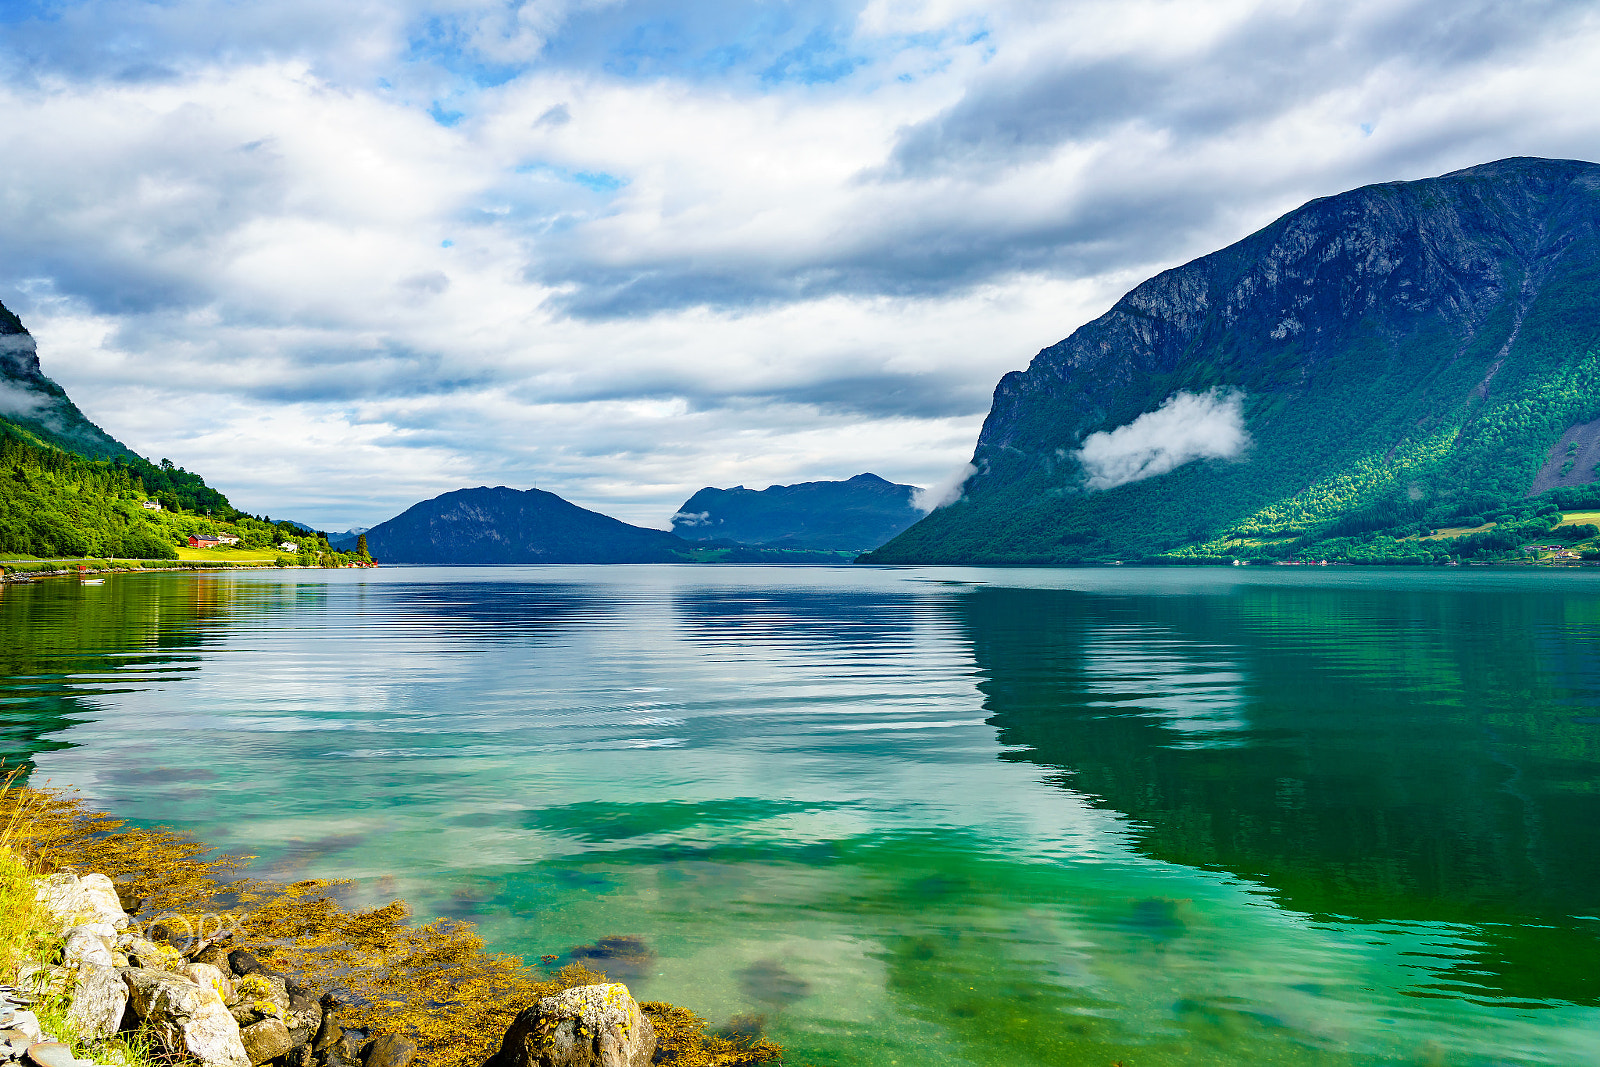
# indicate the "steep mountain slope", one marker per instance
pixel 67 488
pixel 38 406
pixel 1387 359
pixel 853 515
pixel 501 525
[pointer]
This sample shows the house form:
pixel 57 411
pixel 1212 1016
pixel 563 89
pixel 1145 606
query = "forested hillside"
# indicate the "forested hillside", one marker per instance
pixel 69 489
pixel 54 504
pixel 1369 368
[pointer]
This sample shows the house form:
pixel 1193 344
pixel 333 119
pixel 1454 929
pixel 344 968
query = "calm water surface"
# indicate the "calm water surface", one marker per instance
pixel 930 817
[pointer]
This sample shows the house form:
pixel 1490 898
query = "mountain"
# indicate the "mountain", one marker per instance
pixel 68 488
pixel 501 525
pixel 1369 368
pixel 854 515
pixel 38 406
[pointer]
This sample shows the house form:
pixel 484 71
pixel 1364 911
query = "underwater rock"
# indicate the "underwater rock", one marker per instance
pixel 770 982
pixel 625 956
pixel 130 901
pixel 588 1026
pixel 388 1050
pixel 98 1002
pixel 243 962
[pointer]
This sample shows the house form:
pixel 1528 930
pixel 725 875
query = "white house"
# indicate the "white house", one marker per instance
pixel 151 505
pixel 289 546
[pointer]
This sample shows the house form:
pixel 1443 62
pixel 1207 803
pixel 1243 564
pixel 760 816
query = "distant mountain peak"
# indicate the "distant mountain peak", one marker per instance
pixel 852 515
pixel 501 525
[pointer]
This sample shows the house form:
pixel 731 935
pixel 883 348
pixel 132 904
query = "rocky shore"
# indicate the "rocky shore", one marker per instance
pixel 217 1005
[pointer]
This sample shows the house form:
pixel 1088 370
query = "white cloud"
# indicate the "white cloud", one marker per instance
pixel 1186 427
pixel 703 276
pixel 945 491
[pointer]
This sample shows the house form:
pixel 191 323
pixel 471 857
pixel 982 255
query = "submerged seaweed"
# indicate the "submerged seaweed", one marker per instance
pixel 435 983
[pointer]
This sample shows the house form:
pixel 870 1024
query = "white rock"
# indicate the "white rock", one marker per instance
pixel 205 974
pixel 83 948
pixel 105 930
pixel 28 1023
pixel 81 900
pixel 98 1002
pixel 185 1018
pixel 75 901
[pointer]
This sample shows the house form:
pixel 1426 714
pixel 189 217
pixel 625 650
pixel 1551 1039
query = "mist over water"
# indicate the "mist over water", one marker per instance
pixel 915 816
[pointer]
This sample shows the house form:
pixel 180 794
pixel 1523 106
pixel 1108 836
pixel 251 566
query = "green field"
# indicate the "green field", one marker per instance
pixel 232 555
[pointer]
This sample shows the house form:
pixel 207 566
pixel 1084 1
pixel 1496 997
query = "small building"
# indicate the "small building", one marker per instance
pixel 151 505
pixel 288 546
pixel 211 540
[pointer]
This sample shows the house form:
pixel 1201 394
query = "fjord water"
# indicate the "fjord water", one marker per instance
pixel 909 816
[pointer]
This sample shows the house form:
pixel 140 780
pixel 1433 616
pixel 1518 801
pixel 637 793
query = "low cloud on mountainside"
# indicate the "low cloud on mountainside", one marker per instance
pixel 945 491
pixel 342 255
pixel 1186 427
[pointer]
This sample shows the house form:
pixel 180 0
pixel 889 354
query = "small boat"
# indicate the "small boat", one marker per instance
pixel 92 581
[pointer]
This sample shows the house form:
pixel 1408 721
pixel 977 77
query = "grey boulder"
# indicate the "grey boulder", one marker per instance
pixel 266 1040
pixel 186 1019
pixel 74 900
pixel 589 1026
pixel 98 1002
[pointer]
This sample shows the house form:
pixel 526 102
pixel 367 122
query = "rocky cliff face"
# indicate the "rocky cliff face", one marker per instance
pixel 501 525
pixel 38 405
pixel 1427 338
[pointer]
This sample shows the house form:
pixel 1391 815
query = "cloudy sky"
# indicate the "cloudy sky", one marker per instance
pixel 342 255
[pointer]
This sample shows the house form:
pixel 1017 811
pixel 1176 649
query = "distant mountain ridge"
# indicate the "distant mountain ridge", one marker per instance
pixel 853 515
pixel 501 525
pixel 1368 367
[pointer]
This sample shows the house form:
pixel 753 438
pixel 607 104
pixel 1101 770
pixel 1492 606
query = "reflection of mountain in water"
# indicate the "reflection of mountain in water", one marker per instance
pixel 67 642
pixel 1366 754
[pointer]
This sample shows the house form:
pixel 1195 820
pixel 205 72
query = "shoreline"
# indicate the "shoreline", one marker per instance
pixel 8 573
pixel 432 990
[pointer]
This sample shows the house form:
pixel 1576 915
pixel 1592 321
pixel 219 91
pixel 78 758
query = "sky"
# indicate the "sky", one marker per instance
pixel 339 256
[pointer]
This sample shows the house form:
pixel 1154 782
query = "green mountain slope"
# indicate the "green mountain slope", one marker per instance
pixel 37 407
pixel 1398 358
pixel 68 488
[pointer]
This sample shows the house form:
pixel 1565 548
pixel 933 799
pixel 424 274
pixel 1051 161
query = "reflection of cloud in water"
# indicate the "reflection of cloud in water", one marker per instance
pixel 1189 688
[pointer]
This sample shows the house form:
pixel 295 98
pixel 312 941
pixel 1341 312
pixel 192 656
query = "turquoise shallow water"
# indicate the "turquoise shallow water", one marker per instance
pixel 909 816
